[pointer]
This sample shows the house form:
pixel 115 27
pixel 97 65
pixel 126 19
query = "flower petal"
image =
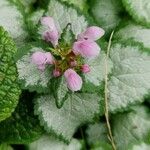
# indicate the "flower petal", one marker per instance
pixel 86 48
pixel 92 33
pixel 39 58
pixel 50 33
pixel 49 58
pixel 74 81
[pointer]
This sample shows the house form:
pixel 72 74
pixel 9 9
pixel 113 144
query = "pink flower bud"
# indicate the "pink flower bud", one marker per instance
pixel 85 68
pixel 92 33
pixel 56 73
pixel 51 33
pixel 74 81
pixel 86 48
pixel 38 58
pixel 49 58
pixel 41 59
pixel 73 63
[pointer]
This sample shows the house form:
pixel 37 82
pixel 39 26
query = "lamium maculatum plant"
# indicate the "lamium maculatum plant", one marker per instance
pixel 74 75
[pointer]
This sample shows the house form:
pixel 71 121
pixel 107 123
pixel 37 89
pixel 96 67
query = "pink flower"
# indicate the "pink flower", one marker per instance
pixel 85 68
pixel 51 33
pixel 74 81
pixel 41 59
pixel 92 33
pixel 86 48
pixel 56 73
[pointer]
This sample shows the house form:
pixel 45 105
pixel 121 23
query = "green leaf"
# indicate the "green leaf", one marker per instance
pixel 22 127
pixel 12 21
pixel 130 80
pixel 134 32
pixel 131 127
pixel 32 22
pixel 77 110
pixel 9 89
pixel 97 132
pixel 96 76
pixel 64 15
pixel 67 37
pixel 139 10
pixel 5 147
pixel 60 90
pixel 106 13
pixel 30 76
pixel 50 143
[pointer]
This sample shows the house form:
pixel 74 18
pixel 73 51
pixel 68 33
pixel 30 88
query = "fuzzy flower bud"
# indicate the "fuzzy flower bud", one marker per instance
pixel 86 48
pixel 56 73
pixel 85 68
pixel 74 81
pixel 41 59
pixel 92 33
pixel 51 33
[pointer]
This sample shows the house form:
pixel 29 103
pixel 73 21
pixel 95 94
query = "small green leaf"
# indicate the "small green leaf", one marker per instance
pixel 22 127
pixel 50 143
pixel 131 127
pixel 60 90
pixel 30 76
pixel 106 13
pixel 130 80
pixel 9 88
pixel 77 110
pixel 139 10
pixel 134 32
pixel 64 15
pixel 67 37
pixel 12 21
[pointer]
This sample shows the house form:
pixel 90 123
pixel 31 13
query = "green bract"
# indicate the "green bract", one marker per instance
pixel 9 89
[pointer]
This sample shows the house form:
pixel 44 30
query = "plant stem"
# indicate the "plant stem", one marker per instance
pixel 110 136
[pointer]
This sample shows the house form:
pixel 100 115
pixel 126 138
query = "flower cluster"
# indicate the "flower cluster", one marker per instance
pixel 70 60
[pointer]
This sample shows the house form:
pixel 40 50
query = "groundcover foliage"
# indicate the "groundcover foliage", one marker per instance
pixel 104 108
